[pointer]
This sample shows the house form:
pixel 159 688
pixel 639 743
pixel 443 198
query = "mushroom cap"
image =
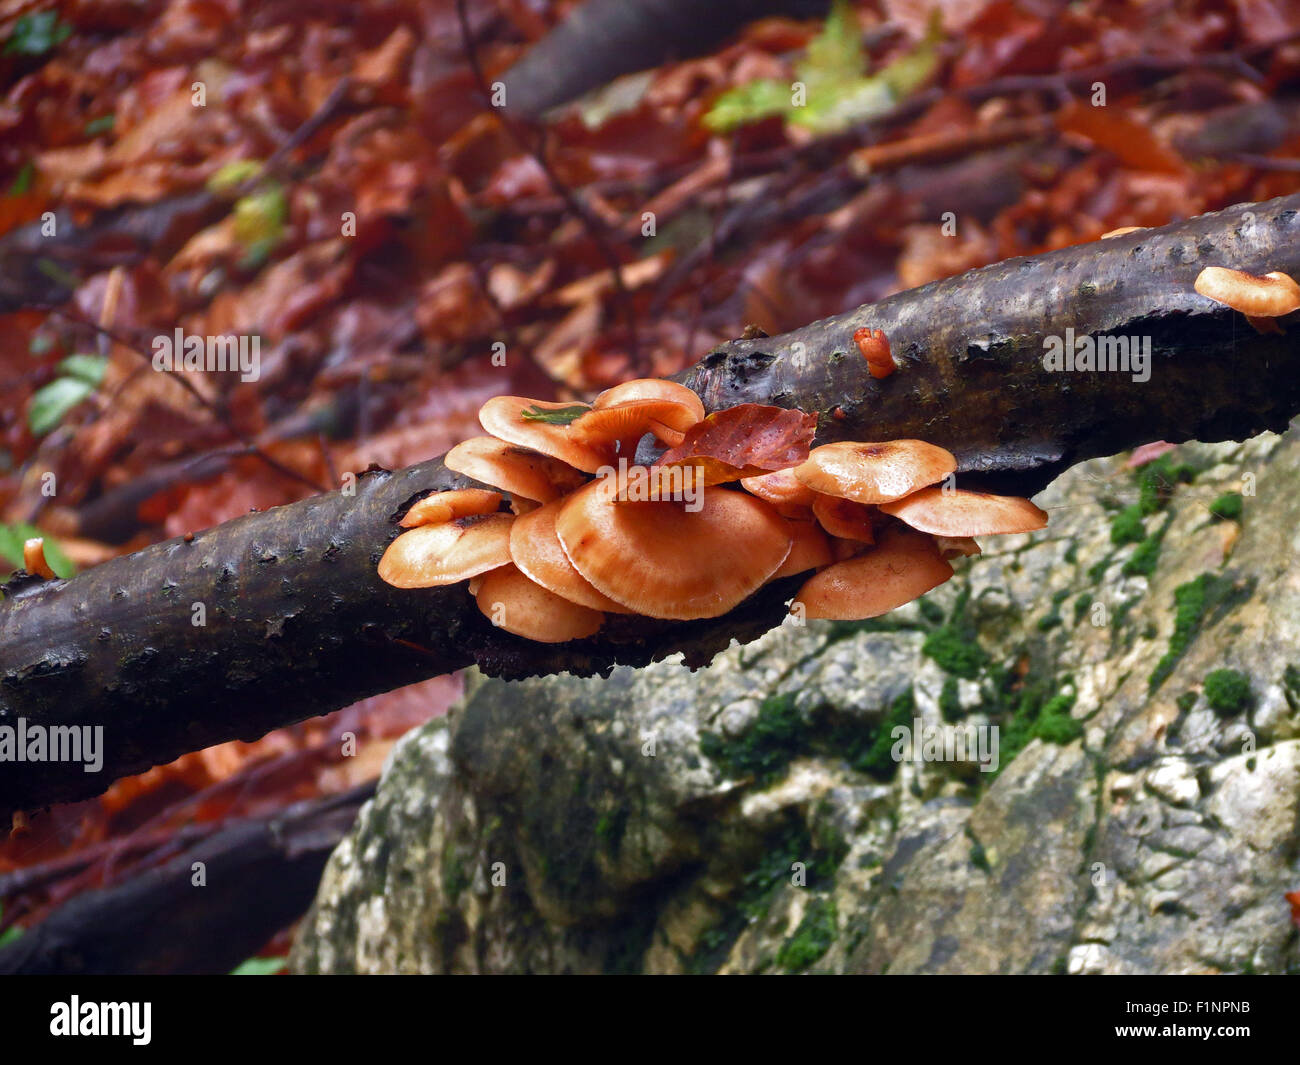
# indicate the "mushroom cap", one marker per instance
pixel 514 603
pixel 963 513
pixel 810 548
pixel 904 565
pixel 433 555
pixel 875 473
pixel 652 388
pixel 632 419
pixel 665 561
pixel 34 558
pixel 515 469
pixel 503 417
pixel 536 550
pixel 789 495
pixel 844 518
pixel 954 546
pixel 443 506
pixel 1270 296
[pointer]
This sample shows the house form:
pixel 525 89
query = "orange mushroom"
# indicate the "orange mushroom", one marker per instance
pixel 34 558
pixel 652 388
pixel 844 518
pixel 783 490
pixel 903 566
pixel 664 560
pixel 874 346
pixel 956 546
pixel 444 506
pixel 1270 296
pixel 810 548
pixel 514 603
pixel 875 473
pixel 962 513
pixel 526 423
pixel 515 469
pixel 625 423
pixel 432 555
pixel 536 550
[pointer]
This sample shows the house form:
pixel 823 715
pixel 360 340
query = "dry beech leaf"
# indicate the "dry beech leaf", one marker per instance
pixel 745 441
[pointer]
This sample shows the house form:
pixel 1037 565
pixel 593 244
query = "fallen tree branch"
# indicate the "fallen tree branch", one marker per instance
pixel 259 876
pixel 297 623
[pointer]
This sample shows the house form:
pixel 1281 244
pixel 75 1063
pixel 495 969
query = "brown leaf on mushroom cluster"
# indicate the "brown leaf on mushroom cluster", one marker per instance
pixel 747 440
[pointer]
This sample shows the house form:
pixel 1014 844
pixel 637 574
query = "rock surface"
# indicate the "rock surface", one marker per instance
pixel 752 817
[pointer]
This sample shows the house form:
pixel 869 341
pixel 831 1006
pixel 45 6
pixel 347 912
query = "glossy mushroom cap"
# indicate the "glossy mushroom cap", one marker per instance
pixel 665 561
pixel 783 490
pixel 535 548
pixel 1270 296
pixel 903 566
pixel 875 473
pixel 517 470
pixel 514 603
pixel 962 513
pixel 34 558
pixel 444 506
pixel 508 418
pixel 434 555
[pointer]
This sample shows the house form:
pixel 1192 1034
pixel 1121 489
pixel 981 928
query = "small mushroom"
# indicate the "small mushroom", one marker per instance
pixel 434 555
pixel 652 388
pixel 788 495
pixel 536 549
pixel 514 603
pixel 517 470
pixel 962 513
pixel 625 423
pixel 810 548
pixel 844 518
pixel 956 546
pixel 34 558
pixel 444 506
pixel 875 473
pixel 874 346
pixel 664 560
pixel 523 422
pixel 903 566
pixel 1270 296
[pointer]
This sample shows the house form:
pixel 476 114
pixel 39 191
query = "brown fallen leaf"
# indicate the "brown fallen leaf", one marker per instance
pixel 747 440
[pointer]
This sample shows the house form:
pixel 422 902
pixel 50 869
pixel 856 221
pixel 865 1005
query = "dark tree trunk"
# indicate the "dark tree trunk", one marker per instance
pixel 298 623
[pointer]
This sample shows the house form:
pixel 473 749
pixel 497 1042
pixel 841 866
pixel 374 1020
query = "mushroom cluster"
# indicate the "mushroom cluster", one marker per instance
pixel 573 527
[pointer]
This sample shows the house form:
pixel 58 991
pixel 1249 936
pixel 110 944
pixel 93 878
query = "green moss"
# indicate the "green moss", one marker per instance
pixel 953 646
pixel 1041 718
pixel 611 826
pixel 765 748
pixel 876 757
pixel 1192 601
pixel 1142 563
pixel 950 700
pixel 1227 506
pixel 1081 606
pixel 930 610
pixel 1098 569
pixel 1072 553
pixel 1157 481
pixel 1227 691
pixel 812 939
pixel 1185 701
pixel 1127 527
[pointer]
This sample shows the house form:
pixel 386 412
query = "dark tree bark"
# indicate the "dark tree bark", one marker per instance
pixel 298 623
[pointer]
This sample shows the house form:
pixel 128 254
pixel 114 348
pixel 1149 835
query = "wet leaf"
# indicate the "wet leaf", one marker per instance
pixel 745 441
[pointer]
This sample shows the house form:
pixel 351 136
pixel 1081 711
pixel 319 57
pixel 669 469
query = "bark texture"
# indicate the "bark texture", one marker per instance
pixel 297 623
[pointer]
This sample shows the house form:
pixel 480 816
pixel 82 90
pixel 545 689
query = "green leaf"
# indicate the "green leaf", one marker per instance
pixel 259 967
pixel 51 403
pixel 9 934
pixel 37 33
pixel 23 182
pixel 559 416
pixel 103 124
pixel 834 55
pixel 751 102
pixel 88 368
pixel 233 174
pixel 259 218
